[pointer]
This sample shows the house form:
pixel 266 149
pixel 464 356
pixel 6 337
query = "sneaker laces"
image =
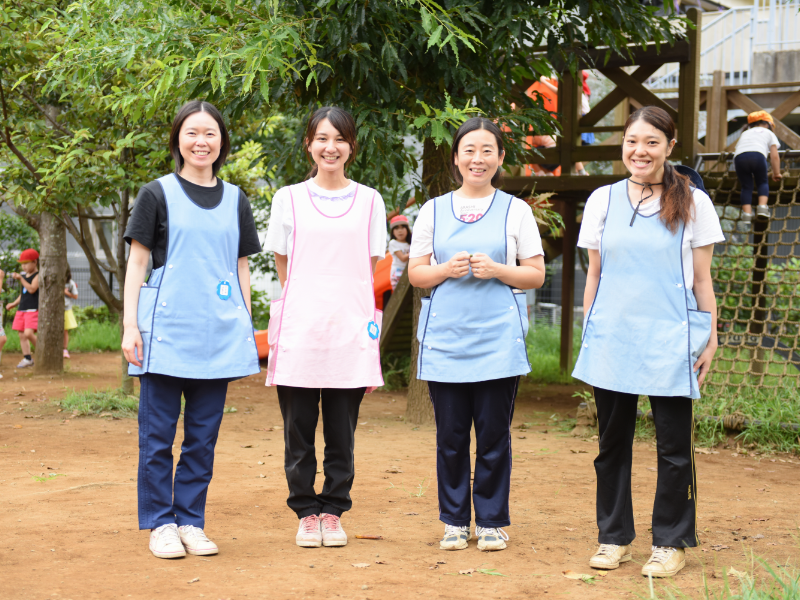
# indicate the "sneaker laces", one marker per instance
pixel 496 531
pixel 168 533
pixel 454 530
pixel 606 549
pixel 310 524
pixel 195 533
pixel 661 554
pixel 330 522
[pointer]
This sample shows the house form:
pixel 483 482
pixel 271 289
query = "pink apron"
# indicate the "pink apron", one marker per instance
pixel 324 330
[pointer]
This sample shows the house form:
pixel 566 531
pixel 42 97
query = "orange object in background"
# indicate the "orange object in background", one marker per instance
pixel 550 99
pixel 381 283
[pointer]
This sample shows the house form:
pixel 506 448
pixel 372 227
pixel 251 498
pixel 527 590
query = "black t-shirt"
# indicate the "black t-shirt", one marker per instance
pixel 29 301
pixel 149 224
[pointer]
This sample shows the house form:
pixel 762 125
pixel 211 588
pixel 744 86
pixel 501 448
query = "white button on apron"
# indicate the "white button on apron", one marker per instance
pixel 429 347
pixel 433 315
pixel 594 312
pixel 586 345
pixel 170 266
pixel 238 307
pixel 683 322
pixel 231 274
pixel 519 340
pixel 163 304
pixel 510 308
pixel 680 285
pixel 249 339
pixel 159 339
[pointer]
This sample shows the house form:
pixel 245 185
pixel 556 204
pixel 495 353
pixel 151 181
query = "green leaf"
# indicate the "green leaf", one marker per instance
pixel 434 38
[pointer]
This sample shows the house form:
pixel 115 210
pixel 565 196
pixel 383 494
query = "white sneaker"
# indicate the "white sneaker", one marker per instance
pixel 195 541
pixel 491 538
pixel 455 538
pixel 332 532
pixel 309 534
pixel 25 362
pixel 166 543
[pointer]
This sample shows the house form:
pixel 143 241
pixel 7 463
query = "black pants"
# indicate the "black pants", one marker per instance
pixel 675 506
pixel 490 405
pixel 300 410
pixel 750 166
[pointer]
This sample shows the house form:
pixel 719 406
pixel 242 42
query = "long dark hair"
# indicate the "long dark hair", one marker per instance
pixel 468 126
pixel 408 233
pixel 69 273
pixel 343 122
pixel 188 109
pixel 676 196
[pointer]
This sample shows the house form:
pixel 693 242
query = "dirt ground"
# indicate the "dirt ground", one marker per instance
pixel 75 536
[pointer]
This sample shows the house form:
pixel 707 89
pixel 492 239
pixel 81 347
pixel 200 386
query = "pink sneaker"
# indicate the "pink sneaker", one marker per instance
pixel 66 353
pixel 332 532
pixel 309 534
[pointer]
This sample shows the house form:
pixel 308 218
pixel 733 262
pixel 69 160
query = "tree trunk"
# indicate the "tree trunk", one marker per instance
pixel 122 267
pixel 52 277
pixel 435 175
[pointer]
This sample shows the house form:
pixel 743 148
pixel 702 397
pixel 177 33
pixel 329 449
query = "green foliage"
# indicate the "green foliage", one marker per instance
pixel 544 353
pixel 94 402
pixel 101 314
pixel 15 235
pixel 245 168
pixel 260 305
pixel 90 336
pixel 396 371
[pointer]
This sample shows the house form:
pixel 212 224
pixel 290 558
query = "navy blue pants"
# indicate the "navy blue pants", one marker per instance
pixel 751 166
pixel 675 507
pixel 490 406
pixel 162 501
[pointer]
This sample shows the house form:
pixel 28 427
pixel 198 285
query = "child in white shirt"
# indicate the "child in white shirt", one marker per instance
pixel 399 245
pixel 750 161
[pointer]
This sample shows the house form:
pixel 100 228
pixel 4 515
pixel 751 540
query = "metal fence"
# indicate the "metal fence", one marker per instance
pixel 86 295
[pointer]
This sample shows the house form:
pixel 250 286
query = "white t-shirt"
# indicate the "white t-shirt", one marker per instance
pixel 522 233
pixel 330 203
pixel 757 139
pixel 397 246
pixel 702 231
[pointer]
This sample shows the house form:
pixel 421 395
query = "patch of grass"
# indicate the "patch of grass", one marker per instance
pixel 93 402
pixel 90 336
pixel 50 477
pixel 544 349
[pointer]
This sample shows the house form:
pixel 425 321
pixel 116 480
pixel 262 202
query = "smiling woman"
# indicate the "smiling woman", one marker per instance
pixel 187 329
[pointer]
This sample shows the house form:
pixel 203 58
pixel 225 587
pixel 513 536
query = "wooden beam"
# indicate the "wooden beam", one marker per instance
pixel 569 105
pixel 552 156
pixel 649 55
pixel 787 106
pixel 713 108
pixel 569 211
pixel 394 309
pixel 689 94
pixel 636 91
pixel 739 100
pixel 614 97
pixel 522 186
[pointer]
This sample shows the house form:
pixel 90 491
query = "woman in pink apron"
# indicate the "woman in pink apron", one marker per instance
pixel 327 233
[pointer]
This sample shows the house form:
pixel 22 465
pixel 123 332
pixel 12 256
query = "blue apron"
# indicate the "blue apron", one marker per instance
pixel 192 315
pixel 472 329
pixel 643 332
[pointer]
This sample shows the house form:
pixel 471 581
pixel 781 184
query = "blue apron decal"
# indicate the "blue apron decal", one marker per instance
pixel 372 330
pixel 224 290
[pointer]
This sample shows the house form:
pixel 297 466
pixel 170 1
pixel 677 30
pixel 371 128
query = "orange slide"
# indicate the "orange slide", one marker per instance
pixel 381 285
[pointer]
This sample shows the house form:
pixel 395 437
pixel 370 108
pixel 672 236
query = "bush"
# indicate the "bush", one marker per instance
pixel 260 305
pixel 544 353
pixel 100 314
pixel 94 402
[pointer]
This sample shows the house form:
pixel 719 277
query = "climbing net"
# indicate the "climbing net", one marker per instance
pixel 756 276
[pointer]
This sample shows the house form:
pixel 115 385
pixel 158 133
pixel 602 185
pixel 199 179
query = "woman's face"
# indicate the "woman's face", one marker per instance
pixel 400 233
pixel 328 149
pixel 199 141
pixel 644 151
pixel 478 158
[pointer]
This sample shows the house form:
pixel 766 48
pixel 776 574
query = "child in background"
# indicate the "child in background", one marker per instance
pixel 399 245
pixel 3 337
pixel 750 161
pixel 26 321
pixel 70 294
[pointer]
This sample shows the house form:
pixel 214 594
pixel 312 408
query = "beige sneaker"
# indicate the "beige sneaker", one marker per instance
pixel 195 541
pixel 664 562
pixel 309 534
pixel 609 556
pixel 491 538
pixel 166 543
pixel 455 538
pixel 332 532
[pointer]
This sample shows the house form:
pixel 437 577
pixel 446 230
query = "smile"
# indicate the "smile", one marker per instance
pixel 200 152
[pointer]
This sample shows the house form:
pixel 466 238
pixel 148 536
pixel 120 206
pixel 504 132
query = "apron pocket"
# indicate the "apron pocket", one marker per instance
pixel 522 306
pixel 423 317
pixel 273 328
pixel 699 331
pixel 146 308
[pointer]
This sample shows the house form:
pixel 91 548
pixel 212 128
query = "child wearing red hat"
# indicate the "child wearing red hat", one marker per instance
pixel 399 245
pixel 26 321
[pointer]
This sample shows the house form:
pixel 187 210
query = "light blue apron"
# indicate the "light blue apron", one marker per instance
pixel 643 332
pixel 192 316
pixel 472 329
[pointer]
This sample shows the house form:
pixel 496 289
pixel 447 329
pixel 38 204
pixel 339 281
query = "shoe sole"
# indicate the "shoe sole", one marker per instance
pixel 309 544
pixel 168 554
pixel 607 567
pixel 202 552
pixel 665 573
pixel 456 547
pixel 334 544
pixel 487 548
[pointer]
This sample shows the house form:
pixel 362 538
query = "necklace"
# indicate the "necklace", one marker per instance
pixel 644 185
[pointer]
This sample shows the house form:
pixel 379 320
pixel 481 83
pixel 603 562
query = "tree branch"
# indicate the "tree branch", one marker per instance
pixel 101 235
pixel 9 143
pixel 42 110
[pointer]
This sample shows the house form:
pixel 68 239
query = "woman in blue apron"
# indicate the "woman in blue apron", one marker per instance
pixel 649 329
pixel 478 248
pixel 187 329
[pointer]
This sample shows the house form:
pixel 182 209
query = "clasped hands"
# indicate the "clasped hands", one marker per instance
pixel 483 267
